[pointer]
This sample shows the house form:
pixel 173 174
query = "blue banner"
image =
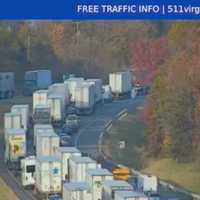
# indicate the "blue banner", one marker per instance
pixel 100 9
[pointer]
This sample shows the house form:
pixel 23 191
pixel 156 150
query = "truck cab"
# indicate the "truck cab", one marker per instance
pixel 28 171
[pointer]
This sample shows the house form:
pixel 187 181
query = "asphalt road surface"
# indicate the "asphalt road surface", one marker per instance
pixel 92 126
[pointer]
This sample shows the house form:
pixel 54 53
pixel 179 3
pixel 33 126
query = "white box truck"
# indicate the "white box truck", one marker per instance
pixel 97 88
pixel 72 83
pixel 76 191
pixel 57 106
pixel 7 85
pixel 78 167
pixel 15 144
pixel 147 183
pixel 120 83
pixel 130 195
pixel 95 178
pixel 84 98
pixel 65 153
pixel 35 80
pixel 47 144
pixel 60 89
pixel 24 111
pixel 12 120
pixel 41 128
pixel 28 171
pixel 48 174
pixel 111 186
pixel 39 98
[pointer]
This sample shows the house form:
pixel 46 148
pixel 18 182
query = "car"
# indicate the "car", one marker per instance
pixel 67 130
pixel 72 121
pixel 65 140
pixel 153 196
pixel 71 110
pixel 54 197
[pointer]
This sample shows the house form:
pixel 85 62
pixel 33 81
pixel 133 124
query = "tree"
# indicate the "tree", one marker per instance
pixel 147 56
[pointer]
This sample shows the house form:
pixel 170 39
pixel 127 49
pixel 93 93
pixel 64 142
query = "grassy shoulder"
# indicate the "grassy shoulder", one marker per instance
pixel 6 192
pixel 133 136
pixel 186 175
pixel 131 130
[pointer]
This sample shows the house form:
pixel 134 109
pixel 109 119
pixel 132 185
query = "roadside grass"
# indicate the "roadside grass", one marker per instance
pixel 186 175
pixel 131 130
pixel 5 192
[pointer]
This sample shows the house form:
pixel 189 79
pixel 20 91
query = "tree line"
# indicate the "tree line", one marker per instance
pixel 173 110
pixel 88 48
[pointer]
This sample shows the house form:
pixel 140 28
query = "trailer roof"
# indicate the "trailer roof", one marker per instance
pixel 76 186
pixel 48 159
pixel 116 183
pixel 42 106
pixel 15 131
pixel 12 113
pixel 41 91
pixel 80 159
pixel 39 70
pixel 55 95
pixel 75 79
pixel 94 79
pixel 69 149
pixel 129 194
pixel 43 126
pixel 48 133
pixel 99 172
pixel 20 106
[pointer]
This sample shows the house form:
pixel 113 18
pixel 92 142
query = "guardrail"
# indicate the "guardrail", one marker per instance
pixel 165 184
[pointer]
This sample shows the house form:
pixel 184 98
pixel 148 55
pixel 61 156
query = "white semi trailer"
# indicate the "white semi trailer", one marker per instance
pixel 76 191
pixel 97 83
pixel 24 112
pixel 85 98
pixel 95 178
pixel 120 83
pixel 48 174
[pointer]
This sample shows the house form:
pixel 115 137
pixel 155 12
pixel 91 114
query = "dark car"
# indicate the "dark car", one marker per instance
pixel 71 111
pixel 72 122
pixel 67 130
pixel 65 140
pixel 54 197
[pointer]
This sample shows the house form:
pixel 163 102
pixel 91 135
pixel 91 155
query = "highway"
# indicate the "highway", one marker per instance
pixel 92 126
pixel 86 140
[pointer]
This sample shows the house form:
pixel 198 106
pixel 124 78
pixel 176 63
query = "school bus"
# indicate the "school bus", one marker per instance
pixel 121 173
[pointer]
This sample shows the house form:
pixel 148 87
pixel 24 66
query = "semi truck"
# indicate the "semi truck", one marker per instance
pixel 121 84
pixel 35 80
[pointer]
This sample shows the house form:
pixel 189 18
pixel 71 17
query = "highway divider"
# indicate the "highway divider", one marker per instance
pixel 165 184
